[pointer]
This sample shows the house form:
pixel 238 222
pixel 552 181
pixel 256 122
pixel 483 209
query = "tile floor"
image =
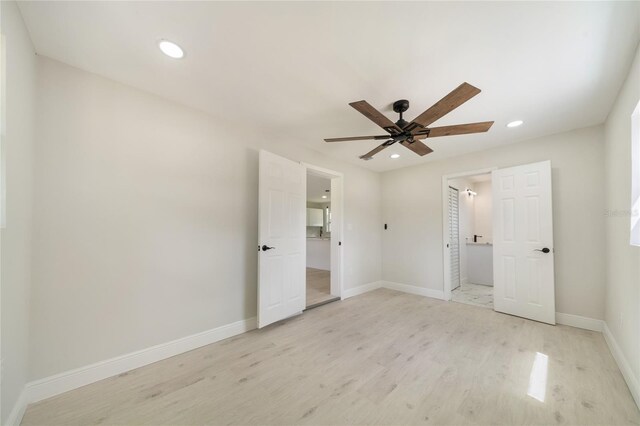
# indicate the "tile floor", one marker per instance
pixel 474 294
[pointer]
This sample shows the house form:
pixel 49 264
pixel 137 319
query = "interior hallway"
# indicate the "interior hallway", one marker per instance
pixel 383 357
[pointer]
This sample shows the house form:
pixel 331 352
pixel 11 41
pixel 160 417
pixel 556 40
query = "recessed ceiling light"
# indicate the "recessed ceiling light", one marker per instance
pixel 171 49
pixel 324 196
pixel 394 156
pixel 515 123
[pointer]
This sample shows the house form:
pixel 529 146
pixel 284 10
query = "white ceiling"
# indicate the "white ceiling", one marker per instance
pixel 316 188
pixel 289 70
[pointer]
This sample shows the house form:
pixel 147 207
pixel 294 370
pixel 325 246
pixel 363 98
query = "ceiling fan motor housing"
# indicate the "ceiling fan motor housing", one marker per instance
pixel 401 106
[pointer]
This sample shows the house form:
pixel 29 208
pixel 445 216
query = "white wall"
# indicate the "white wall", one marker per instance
pixel 412 205
pixel 146 220
pixel 15 239
pixel 483 211
pixel 623 260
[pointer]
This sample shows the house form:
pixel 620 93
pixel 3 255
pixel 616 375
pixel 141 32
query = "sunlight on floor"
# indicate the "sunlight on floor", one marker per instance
pixel 538 378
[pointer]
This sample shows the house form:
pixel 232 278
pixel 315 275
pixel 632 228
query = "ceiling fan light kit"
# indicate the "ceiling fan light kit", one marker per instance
pixel 409 133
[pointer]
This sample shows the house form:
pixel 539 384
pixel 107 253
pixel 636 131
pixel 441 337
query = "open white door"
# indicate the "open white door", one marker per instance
pixel 523 242
pixel 282 243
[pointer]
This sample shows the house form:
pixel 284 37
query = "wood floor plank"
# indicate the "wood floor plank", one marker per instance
pixel 383 357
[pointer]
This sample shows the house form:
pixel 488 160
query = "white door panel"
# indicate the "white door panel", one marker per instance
pixel 281 231
pixel 523 226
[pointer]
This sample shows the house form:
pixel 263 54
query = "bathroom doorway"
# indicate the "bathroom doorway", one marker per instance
pixel 469 242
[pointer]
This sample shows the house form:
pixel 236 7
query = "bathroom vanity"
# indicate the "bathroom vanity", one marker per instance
pixel 480 263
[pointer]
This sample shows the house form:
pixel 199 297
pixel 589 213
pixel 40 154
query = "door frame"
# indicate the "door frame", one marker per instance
pixel 446 259
pixel 337 224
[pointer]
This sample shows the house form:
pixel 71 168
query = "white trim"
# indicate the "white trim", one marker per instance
pixel 633 382
pixel 470 173
pixel 579 322
pixel 561 318
pixel 15 417
pixel 405 288
pixel 64 382
pixel 321 170
pixel 69 380
pixel 412 289
pixel 350 292
pixel 445 224
pixel 635 178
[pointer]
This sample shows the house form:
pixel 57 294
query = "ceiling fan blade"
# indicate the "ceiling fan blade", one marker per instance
pixel 376 116
pixel 458 129
pixel 453 100
pixel 357 138
pixel 369 155
pixel 417 147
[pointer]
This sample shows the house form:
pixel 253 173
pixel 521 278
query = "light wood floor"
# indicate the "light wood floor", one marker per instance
pixel 318 286
pixel 379 358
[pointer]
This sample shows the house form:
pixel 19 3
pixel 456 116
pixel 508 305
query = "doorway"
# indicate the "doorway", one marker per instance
pixel 516 240
pixel 282 192
pixel 323 202
pixel 470 239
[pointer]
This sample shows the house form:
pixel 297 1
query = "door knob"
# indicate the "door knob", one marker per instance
pixel 265 248
pixel 544 250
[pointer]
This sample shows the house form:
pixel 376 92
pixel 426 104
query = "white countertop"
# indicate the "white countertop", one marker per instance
pixel 471 243
pixel 319 238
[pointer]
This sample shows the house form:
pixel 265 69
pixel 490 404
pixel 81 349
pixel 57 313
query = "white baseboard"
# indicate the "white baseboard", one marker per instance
pixel 412 289
pixel 69 380
pixel 405 288
pixel 633 382
pixel 15 417
pixel 579 322
pixel 350 292
pixel 561 318
pixel 63 382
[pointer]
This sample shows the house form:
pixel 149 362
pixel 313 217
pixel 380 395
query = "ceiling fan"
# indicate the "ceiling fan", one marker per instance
pixel 408 134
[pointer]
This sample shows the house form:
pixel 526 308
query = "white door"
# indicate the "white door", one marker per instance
pixel 523 242
pixel 454 237
pixel 281 233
